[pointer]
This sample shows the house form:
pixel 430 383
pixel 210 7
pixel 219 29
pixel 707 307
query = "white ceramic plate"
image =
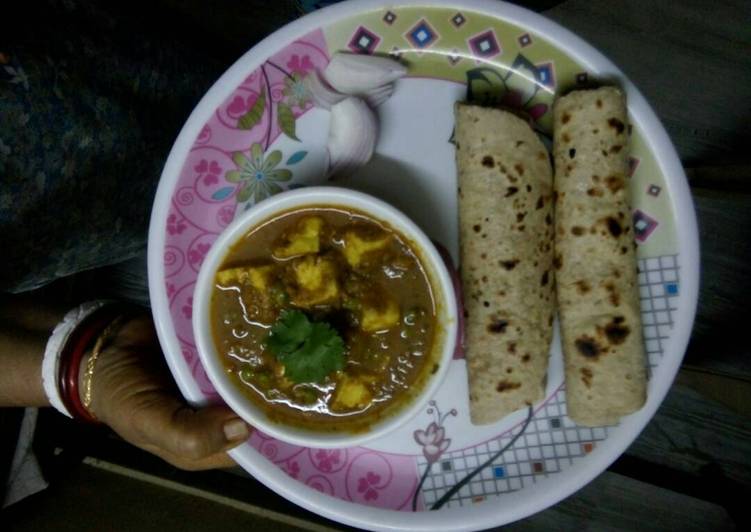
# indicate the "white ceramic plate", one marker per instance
pixel 439 472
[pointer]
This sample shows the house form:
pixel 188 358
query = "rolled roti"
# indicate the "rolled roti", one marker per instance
pixel 596 276
pixel 506 241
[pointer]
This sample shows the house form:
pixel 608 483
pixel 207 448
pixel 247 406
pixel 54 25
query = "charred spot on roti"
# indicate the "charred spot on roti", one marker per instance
pixel 544 278
pixel 595 131
pixel 577 230
pixel 529 188
pixel 509 264
pixel 557 261
pixel 510 191
pixel 588 346
pixel 477 228
pixel 519 168
pixel 504 386
pixel 555 196
pixel 497 326
pixel 595 192
pixel 598 103
pixel 614 183
pixel 483 255
pixel 485 304
pixel 604 153
pixel 509 370
pixel 614 227
pixel 616 148
pixel 484 278
pixel 526 357
pixel 617 125
pixel 614 297
pixel 466 313
pixel 616 331
pixel 582 286
pixel 540 203
pixel 572 153
pixel 520 216
pixel 521 227
pixel 541 156
pixel 511 347
pixel 596 178
pixel 586 377
pixel 565 118
pixel 488 161
pixel 566 137
pixel 550 319
pixel 624 250
pixel 548 219
pixel 519 143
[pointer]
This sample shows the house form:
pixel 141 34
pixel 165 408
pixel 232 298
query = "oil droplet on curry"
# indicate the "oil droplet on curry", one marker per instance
pixel 342 268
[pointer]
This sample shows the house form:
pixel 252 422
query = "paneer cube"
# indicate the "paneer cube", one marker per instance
pixel 350 393
pixel 356 247
pixel 315 282
pixel 258 277
pixel 305 239
pixel 383 317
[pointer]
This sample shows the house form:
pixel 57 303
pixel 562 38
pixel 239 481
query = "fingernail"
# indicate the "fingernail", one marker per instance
pixel 236 429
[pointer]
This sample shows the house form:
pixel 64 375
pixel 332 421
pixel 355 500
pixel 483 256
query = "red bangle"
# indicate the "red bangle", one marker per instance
pixel 70 362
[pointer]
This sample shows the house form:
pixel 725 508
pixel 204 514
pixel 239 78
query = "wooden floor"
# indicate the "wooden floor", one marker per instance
pixel 691 467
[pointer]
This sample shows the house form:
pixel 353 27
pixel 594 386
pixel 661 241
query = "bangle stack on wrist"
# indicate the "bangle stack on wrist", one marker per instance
pixel 89 327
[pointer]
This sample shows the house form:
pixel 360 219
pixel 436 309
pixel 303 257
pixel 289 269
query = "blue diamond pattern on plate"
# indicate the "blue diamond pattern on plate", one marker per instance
pixel 485 44
pixel 364 41
pixel 546 74
pixel 422 35
pixel 389 17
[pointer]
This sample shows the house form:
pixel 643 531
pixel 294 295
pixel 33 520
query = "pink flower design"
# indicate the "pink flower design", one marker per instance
pixel 205 135
pixel 293 469
pixel 175 225
pixel 197 254
pixel 515 99
pixel 225 215
pixel 433 441
pixel 239 105
pixel 210 170
pixel 367 483
pixel 327 459
pixel 171 290
pixel 188 308
pixel 297 64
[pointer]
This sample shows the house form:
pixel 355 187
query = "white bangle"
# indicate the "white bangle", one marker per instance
pixel 53 351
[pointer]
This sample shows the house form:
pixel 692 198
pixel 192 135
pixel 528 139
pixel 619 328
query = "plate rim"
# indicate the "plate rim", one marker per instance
pixel 574 479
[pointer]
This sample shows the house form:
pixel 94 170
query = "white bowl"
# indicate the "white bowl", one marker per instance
pixel 441 283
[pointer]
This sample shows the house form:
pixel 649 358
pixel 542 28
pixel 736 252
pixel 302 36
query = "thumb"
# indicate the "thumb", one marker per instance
pixel 192 435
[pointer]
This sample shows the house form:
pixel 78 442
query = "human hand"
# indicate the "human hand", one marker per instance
pixel 133 392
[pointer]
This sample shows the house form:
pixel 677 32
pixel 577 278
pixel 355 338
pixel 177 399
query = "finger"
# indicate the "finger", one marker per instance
pixel 217 461
pixel 191 434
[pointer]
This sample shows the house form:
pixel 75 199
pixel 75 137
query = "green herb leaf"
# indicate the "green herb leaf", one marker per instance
pixel 253 116
pixel 308 351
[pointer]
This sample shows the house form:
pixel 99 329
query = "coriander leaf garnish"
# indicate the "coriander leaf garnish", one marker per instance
pixel 308 350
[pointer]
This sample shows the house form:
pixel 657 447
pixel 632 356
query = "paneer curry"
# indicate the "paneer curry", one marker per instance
pixel 325 318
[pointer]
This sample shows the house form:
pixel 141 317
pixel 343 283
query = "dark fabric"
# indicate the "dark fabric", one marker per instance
pixel 10 425
pixel 92 96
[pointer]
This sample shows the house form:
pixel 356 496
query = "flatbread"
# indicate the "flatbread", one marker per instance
pixel 506 241
pixel 596 271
